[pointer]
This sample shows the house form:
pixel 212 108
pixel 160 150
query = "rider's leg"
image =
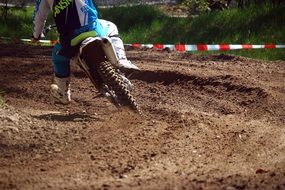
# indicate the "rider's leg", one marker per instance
pixel 60 89
pixel 112 32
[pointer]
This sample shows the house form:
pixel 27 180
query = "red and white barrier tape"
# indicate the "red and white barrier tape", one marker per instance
pixel 27 41
pixel 172 47
pixel 204 47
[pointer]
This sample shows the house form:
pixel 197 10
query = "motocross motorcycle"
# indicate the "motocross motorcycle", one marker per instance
pixel 97 58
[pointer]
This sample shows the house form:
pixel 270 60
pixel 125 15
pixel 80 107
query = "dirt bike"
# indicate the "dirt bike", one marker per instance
pixel 98 60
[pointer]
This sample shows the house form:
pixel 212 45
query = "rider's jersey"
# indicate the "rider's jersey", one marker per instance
pixel 72 18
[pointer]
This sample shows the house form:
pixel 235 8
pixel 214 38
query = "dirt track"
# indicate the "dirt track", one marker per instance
pixel 210 122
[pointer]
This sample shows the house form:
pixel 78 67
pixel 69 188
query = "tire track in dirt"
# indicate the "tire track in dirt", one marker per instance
pixel 212 92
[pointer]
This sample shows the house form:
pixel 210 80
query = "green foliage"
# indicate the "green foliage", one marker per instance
pixel 257 25
pixel 251 25
pixel 196 6
pixel 17 23
pixel 200 6
pixel 131 17
pixel 146 24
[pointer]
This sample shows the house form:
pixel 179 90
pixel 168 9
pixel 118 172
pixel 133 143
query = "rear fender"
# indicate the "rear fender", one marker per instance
pixel 109 50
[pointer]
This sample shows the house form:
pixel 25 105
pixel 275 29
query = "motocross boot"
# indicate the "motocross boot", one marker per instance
pixel 60 90
pixel 126 64
pixel 123 64
pixel 127 67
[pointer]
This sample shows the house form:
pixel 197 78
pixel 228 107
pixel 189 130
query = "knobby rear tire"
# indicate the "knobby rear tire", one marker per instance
pixel 112 79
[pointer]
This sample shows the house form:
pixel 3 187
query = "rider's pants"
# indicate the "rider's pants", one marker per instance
pixel 62 64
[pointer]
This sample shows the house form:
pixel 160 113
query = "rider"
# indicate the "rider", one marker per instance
pixel 74 20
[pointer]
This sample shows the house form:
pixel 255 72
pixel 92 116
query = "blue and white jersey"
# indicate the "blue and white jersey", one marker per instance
pixel 72 17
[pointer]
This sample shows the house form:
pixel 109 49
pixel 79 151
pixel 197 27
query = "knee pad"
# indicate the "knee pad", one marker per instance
pixel 61 64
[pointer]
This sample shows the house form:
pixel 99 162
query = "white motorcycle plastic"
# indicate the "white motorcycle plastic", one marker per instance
pixel 98 60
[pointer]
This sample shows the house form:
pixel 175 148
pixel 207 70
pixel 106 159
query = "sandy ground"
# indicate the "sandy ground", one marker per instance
pixel 209 122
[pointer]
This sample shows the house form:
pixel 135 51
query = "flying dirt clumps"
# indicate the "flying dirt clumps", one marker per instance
pixel 13 123
pixel 11 118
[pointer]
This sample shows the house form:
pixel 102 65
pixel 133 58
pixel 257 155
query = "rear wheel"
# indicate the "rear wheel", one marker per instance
pixel 117 85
